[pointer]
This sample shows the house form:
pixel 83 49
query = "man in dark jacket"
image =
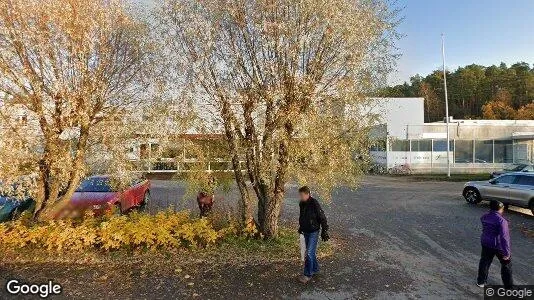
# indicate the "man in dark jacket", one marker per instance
pixel 495 240
pixel 311 219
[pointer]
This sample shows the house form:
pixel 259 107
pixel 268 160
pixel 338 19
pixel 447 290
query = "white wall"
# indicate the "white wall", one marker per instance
pixel 397 113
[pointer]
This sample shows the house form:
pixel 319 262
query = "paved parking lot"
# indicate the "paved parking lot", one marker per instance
pixel 425 230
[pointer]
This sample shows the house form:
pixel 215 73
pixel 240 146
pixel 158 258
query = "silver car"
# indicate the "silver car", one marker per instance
pixel 512 169
pixel 511 189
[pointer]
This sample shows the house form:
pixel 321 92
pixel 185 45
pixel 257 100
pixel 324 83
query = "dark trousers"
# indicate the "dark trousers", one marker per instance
pixel 486 257
pixel 205 209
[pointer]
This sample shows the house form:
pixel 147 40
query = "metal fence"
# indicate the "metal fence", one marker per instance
pixel 171 165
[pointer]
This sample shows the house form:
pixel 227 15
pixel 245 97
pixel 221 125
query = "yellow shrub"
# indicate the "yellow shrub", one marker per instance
pixel 165 230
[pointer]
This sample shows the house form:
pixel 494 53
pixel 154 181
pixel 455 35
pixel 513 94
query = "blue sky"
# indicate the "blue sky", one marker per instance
pixel 484 32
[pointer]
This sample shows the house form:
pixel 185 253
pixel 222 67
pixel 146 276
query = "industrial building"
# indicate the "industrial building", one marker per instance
pixel 475 145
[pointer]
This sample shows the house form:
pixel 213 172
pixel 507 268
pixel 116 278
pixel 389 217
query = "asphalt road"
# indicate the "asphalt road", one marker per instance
pixel 424 230
pixel 429 230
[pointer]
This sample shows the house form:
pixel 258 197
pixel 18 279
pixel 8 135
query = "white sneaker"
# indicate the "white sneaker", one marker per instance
pixel 304 279
pixel 481 285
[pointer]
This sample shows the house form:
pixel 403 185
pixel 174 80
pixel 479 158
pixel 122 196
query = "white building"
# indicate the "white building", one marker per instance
pixel 476 145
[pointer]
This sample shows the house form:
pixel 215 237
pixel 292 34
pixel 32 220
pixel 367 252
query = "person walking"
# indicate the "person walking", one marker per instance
pixel 311 220
pixel 495 240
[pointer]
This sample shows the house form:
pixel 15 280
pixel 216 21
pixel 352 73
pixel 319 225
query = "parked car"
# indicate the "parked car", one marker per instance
pixel 513 168
pixel 15 199
pixel 11 207
pixel 100 195
pixel 512 189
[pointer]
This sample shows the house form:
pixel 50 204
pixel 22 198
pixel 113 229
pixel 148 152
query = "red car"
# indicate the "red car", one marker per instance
pixel 96 193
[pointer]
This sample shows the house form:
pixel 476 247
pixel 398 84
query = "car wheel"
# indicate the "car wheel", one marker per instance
pixel 472 195
pixel 144 202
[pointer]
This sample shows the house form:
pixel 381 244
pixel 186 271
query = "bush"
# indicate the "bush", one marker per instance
pixel 136 231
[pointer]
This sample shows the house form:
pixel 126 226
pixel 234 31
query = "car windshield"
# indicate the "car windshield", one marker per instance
pixel 516 168
pixel 96 184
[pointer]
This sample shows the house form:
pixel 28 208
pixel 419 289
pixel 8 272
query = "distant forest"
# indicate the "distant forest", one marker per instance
pixel 475 92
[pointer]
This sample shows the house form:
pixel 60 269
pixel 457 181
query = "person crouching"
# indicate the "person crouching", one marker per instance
pixel 205 202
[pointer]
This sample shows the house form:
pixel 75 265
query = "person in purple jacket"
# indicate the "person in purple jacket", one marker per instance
pixel 495 240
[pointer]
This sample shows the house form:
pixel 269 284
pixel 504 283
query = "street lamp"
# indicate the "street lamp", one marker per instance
pixel 446 106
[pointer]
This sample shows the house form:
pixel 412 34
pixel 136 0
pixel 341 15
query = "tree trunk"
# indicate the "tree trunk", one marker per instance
pixel 269 215
pixel 269 210
pixel 49 201
pixel 245 209
pixel 231 138
pixel 48 185
pixel 75 175
pixel 43 191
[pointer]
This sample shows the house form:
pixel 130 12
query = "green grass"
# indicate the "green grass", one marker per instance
pixel 284 246
pixel 443 177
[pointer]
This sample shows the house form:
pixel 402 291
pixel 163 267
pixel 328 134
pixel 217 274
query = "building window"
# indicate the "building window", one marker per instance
pixel 422 145
pixel 143 150
pixel 378 145
pixel 463 153
pixel 521 153
pixel 441 145
pixel 154 148
pixel 484 151
pixel 504 151
pixel 400 145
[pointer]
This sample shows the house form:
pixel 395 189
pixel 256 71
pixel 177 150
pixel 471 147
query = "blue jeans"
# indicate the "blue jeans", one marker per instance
pixel 311 266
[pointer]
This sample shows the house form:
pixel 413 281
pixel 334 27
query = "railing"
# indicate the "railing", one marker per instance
pixel 169 165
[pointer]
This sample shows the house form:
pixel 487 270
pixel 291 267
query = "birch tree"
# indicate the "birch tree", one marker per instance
pixel 69 70
pixel 279 75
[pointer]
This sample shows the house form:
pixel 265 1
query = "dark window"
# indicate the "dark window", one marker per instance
pixel 400 145
pixel 422 145
pixel 378 145
pixel 484 151
pixel 505 179
pixel 525 180
pixel 463 152
pixel 504 151
pixel 143 151
pixel 441 145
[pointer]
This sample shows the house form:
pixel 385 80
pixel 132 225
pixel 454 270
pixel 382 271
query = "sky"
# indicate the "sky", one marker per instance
pixel 483 32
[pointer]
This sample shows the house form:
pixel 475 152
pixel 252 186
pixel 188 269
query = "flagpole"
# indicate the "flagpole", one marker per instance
pixel 446 106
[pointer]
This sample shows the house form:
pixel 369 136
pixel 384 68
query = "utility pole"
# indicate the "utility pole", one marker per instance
pixel 446 107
